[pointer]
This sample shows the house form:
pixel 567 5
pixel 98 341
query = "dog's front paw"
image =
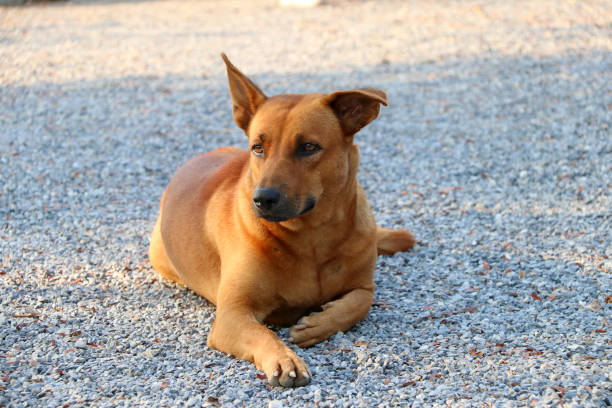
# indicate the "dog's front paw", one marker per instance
pixel 286 370
pixel 310 330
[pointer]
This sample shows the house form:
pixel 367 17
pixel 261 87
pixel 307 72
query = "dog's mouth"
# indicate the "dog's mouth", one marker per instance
pixel 310 204
pixel 272 218
pixel 285 212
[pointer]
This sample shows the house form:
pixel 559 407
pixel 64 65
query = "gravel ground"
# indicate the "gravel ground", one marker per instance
pixel 495 151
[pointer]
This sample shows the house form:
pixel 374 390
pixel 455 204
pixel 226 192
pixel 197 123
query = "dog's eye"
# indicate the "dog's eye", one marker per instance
pixel 257 149
pixel 307 149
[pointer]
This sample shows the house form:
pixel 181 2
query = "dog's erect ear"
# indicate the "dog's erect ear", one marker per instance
pixel 246 96
pixel 356 108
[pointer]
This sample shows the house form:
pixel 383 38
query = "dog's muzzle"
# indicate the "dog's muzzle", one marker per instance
pixel 272 205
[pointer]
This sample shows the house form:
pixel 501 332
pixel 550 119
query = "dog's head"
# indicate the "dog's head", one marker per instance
pixel 301 145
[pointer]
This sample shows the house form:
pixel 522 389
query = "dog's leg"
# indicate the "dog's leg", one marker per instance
pixel 238 332
pixel 159 258
pixel 338 315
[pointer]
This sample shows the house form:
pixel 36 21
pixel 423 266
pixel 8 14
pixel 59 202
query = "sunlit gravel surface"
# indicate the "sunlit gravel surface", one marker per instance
pixel 495 151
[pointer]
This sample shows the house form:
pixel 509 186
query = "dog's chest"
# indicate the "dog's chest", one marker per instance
pixel 317 283
pixel 332 278
pixel 312 286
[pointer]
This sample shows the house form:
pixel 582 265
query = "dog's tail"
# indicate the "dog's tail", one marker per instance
pixel 391 241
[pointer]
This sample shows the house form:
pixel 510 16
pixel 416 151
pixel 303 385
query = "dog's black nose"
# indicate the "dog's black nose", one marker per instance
pixel 266 198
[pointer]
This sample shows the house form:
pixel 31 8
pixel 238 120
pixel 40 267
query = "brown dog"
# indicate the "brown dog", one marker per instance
pixel 278 232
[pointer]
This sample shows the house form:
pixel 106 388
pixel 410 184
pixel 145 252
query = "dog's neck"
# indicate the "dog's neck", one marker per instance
pixel 321 232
